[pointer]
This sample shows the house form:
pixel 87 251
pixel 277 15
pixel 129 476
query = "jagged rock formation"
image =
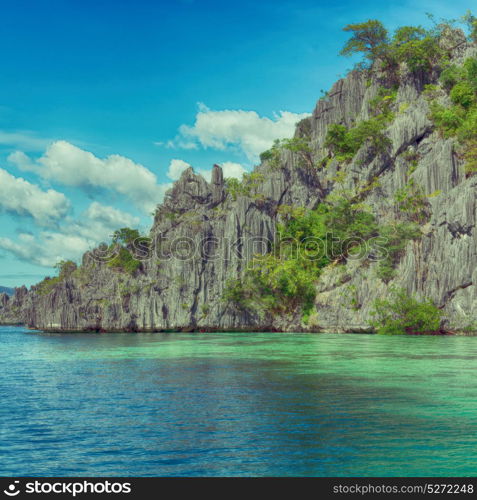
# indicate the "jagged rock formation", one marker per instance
pixel 202 236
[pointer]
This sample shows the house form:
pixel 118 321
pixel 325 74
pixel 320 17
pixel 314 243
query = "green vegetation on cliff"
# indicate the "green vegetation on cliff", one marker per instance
pixel 403 313
pixel 339 229
pixel 344 143
pixel 419 48
pixel 122 243
pixel 307 241
pixel 341 226
pixel 65 269
pixel 300 146
pixel 459 117
pixel 245 187
pixel 124 261
pixel 352 222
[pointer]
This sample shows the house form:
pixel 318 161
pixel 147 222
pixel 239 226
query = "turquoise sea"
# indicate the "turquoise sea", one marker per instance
pixel 233 404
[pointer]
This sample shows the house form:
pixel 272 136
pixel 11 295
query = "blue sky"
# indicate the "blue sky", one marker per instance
pixel 103 103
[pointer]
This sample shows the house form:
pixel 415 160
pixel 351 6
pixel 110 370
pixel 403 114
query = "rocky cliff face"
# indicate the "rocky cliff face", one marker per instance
pixel 203 234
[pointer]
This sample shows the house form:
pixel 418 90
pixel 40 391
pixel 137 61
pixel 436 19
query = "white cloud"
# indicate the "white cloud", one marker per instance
pixel 47 249
pixel 20 197
pixel 98 223
pixel 176 167
pixel 24 139
pixel 109 216
pixel 232 169
pixel 74 238
pixel 206 174
pixel 177 144
pixel 72 166
pixel 181 145
pixel 241 129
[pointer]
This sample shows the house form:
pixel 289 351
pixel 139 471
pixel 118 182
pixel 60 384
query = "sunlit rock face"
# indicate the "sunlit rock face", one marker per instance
pixel 202 235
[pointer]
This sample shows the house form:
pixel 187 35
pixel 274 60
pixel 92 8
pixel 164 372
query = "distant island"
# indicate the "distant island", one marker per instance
pixel 8 291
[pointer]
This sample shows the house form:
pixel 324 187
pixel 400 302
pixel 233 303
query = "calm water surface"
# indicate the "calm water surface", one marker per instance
pixel 237 404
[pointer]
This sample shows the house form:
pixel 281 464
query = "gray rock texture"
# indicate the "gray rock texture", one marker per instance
pixel 202 235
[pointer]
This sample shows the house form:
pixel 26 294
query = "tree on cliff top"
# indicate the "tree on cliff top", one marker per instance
pixel 370 38
pixel 418 47
pixel 125 235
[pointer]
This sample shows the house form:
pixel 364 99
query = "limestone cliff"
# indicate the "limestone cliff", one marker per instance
pixel 203 234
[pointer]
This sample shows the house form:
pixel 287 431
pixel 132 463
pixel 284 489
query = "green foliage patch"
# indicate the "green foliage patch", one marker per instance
pixel 284 279
pixel 300 146
pixel 416 46
pixel 125 236
pixel 123 243
pixel 344 143
pixel 47 285
pixel 65 269
pixel 340 228
pixel 245 187
pixel 393 240
pixel 124 261
pixel 413 202
pixel 402 313
pixel 460 118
